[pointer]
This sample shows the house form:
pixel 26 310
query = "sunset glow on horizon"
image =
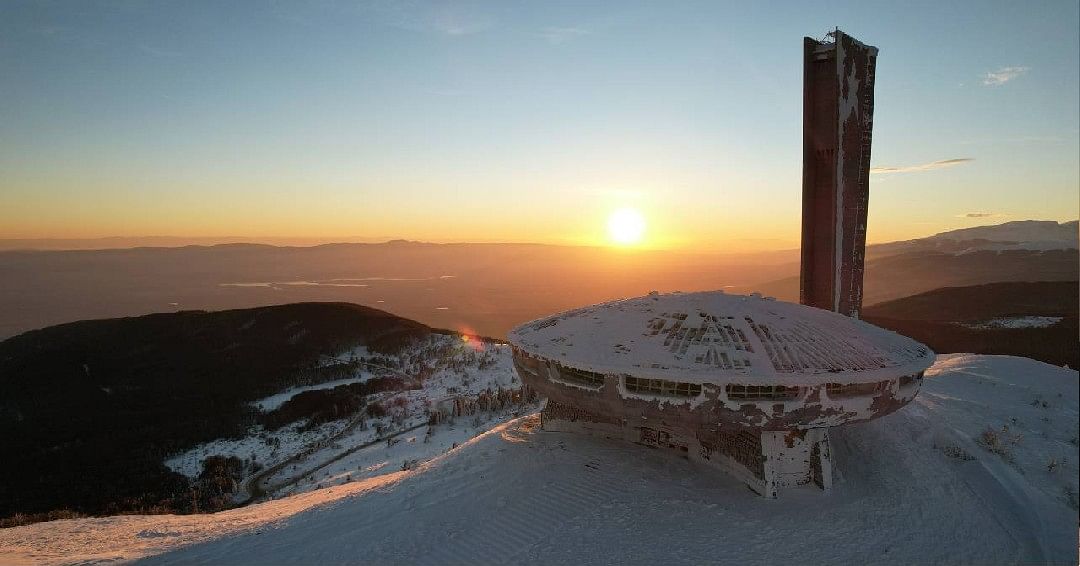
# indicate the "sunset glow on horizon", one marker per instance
pixel 390 123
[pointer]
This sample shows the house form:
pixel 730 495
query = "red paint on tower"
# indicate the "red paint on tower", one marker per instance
pixel 838 111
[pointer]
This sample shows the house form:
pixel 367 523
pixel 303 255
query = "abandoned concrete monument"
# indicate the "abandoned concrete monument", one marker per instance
pixel 748 384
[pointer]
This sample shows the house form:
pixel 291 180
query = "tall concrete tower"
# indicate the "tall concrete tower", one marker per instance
pixel 838 112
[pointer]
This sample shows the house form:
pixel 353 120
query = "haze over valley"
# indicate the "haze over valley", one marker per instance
pixel 483 288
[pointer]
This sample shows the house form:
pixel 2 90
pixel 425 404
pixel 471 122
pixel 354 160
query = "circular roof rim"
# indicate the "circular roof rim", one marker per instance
pixel 770 375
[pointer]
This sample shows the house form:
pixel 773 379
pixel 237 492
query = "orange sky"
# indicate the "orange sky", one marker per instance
pixel 120 121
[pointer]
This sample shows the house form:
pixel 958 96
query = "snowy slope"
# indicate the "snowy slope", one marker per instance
pixel 1031 235
pixel 1020 231
pixel 452 366
pixel 927 484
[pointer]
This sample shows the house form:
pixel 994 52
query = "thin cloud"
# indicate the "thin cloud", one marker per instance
pixel 559 35
pixel 981 215
pixel 429 17
pixel 923 167
pixel 1003 75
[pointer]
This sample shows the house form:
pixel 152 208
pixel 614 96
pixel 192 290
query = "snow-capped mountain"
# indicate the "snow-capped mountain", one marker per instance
pixel 1034 235
pixel 1019 231
pixel 1027 250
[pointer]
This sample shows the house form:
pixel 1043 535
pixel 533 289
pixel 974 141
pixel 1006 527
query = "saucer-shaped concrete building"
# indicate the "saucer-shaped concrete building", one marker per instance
pixel 746 383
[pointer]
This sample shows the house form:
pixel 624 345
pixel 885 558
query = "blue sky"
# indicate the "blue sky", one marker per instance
pixel 517 121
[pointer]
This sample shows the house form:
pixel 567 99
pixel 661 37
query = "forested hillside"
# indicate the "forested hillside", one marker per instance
pixel 910 273
pixel 1030 319
pixel 89 410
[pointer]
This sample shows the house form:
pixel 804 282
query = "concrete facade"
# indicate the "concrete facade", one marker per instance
pixel 838 121
pixel 768 439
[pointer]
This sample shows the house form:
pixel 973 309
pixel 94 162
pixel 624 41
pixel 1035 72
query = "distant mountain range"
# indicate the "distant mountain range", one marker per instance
pixel 486 288
pixel 1017 235
pixel 1025 250
pixel 125 242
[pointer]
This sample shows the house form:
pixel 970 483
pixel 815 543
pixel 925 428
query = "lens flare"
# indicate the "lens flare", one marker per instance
pixel 470 338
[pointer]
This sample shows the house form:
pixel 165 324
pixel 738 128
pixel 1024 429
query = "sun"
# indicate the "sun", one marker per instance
pixel 626 226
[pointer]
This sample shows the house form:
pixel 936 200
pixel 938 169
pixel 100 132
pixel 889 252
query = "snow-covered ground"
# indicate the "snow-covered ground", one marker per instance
pixel 1016 322
pixel 980 468
pixel 356 353
pixel 261 446
pixel 408 449
pixel 457 369
pixel 272 402
pixel 452 367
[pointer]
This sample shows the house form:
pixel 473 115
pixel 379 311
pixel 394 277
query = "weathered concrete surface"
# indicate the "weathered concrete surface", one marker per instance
pixel 838 119
pixel 811 407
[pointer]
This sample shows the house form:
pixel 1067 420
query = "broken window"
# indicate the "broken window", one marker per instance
pixel 661 387
pixel 573 376
pixel 853 389
pixel 760 392
pixel 559 411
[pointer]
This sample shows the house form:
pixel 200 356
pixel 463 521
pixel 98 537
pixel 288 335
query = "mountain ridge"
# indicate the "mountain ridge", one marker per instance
pixel 90 409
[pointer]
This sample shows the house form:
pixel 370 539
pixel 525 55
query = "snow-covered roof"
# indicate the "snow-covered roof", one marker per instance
pixel 714 337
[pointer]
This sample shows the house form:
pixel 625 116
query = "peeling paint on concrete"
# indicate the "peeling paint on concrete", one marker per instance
pixel 838 110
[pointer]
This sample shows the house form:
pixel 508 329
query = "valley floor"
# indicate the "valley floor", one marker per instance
pixel 981 468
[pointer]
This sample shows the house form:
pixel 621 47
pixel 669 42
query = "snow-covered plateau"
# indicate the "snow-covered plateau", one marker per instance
pixel 980 468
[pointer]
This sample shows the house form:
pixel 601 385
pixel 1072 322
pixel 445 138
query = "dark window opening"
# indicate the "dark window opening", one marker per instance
pixel 588 379
pixel 761 392
pixel 853 389
pixel 662 387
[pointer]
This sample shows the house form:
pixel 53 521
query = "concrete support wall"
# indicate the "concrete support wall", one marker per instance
pixel 766 461
pixel 797 457
pixel 737 454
